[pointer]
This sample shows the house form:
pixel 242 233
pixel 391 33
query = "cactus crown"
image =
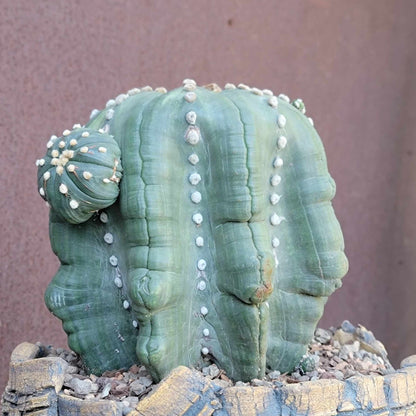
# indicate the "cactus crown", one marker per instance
pixel 192 225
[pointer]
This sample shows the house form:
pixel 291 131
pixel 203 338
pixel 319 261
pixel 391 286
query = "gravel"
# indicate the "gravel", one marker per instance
pixel 336 353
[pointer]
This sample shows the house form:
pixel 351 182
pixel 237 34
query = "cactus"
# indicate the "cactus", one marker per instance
pixel 192 226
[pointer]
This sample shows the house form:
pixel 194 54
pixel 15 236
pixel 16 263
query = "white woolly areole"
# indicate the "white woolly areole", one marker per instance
pixel 193 159
pixel 281 142
pixel 197 218
pixel 63 189
pixel 194 178
pixel 196 197
pixel 202 285
pixel 73 204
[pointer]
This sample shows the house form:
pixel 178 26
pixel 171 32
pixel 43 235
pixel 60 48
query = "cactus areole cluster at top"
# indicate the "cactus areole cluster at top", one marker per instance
pixel 192 226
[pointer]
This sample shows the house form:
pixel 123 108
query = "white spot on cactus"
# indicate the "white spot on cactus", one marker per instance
pixel 274 199
pixel 59 170
pixel 268 93
pixel 118 282
pixel 73 204
pixel 284 97
pixel 133 91
pixel 229 86
pixel 41 191
pixel 189 87
pixel 192 136
pixel 190 96
pixel 87 175
pixel 55 153
pixel 275 219
pixel 102 149
pixel 41 162
pixel 194 178
pixel 196 197
pixel 193 159
pixel 49 144
pixel 94 113
pixel 204 310
pixel 202 264
pixel 108 238
pixel 199 241
pixel 278 162
pixel 202 285
pixel 281 121
pixel 120 98
pixel 135 324
pixel 73 142
pixel 63 189
pixel 275 180
pixel 70 168
pixel 257 91
pixel 275 242
pixel 126 304
pixel 113 261
pixel 191 117
pixel 76 126
pixel 101 131
pixel 84 149
pixel 281 142
pixel 189 81
pixel 243 87
pixel 54 161
pixel 68 153
pixel 147 88
pixel 106 180
pixel 311 121
pixel 66 133
pixel 109 114
pixel 110 103
pixel 104 217
pixel 205 332
pixel 46 176
pixel 85 134
pixel 273 102
pixel 197 218
pixel 205 350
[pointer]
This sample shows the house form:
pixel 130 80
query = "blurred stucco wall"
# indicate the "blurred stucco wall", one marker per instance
pixel 353 62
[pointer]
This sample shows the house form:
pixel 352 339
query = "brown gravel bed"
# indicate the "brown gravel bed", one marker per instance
pixel 336 353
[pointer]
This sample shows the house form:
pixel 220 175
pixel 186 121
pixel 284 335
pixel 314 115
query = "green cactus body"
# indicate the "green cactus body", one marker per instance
pixel 218 243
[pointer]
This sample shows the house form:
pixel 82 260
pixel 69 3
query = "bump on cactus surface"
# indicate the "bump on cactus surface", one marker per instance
pixel 219 243
pixel 80 173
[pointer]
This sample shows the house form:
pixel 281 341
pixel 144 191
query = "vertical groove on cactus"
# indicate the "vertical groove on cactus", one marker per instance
pixel 219 241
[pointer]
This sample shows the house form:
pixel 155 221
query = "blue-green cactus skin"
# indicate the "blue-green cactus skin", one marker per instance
pixel 202 231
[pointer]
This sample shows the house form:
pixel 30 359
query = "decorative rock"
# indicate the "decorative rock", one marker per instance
pixel 183 391
pixel 408 362
pixel 68 406
pixel 81 386
pixel 25 351
pixel 28 376
pixel 322 335
pixel 137 387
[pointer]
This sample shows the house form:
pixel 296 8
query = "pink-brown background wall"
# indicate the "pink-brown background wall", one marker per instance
pixel 353 63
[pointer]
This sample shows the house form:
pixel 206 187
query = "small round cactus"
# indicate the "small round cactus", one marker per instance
pixel 80 173
pixel 219 242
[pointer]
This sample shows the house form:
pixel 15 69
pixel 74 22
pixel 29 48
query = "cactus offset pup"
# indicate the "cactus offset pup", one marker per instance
pixel 192 225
